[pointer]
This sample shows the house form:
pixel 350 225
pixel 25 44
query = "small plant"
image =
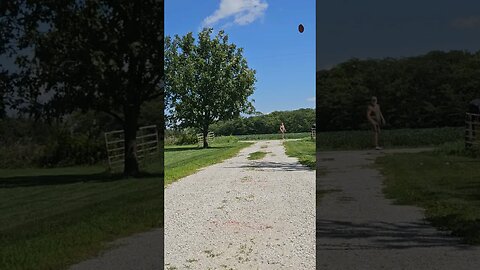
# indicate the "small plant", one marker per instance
pixel 257 155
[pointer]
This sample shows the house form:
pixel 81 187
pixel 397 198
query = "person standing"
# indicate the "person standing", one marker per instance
pixel 375 117
pixel 283 130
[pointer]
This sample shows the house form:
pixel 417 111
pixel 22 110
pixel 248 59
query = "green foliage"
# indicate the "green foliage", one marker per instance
pixel 181 161
pixel 360 139
pixel 101 55
pixel 457 148
pixel 277 136
pixel 296 121
pixel 206 81
pixel 225 140
pixel 432 90
pixel 256 155
pixel 151 113
pixel 180 137
pixel 304 150
pixel 76 140
pixel 67 149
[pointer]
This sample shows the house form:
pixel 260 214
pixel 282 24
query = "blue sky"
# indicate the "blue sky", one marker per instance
pixel 381 28
pixel 268 31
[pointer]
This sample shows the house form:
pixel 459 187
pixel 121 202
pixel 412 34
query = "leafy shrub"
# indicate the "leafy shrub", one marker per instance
pixel 180 137
pixel 225 139
pixel 70 149
pixel 458 148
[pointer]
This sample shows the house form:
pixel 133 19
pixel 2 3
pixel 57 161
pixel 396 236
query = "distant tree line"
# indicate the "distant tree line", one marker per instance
pixel 432 90
pixel 300 120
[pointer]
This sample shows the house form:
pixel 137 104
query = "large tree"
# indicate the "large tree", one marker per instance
pixel 105 55
pixel 206 81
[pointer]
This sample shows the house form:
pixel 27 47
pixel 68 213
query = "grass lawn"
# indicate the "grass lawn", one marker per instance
pixel 397 138
pixel 446 186
pixel 181 161
pixel 52 218
pixel 304 150
pixel 257 155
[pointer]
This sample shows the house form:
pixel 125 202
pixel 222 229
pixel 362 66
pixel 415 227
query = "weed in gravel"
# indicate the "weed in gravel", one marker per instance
pixel 257 155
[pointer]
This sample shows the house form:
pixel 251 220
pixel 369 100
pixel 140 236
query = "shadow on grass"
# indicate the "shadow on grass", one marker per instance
pixel 45 180
pixel 381 235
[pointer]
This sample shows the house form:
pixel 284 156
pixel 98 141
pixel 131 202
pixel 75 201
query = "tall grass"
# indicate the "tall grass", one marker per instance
pixel 277 136
pixel 304 150
pixel 362 139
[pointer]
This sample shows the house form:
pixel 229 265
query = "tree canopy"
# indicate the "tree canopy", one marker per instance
pixel 431 90
pixel 100 54
pixel 206 81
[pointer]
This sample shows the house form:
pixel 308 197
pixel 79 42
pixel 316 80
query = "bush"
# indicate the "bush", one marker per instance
pixel 458 148
pixel 187 137
pixel 25 143
pixel 180 137
pixel 68 149
pixel 226 139
pixel 20 154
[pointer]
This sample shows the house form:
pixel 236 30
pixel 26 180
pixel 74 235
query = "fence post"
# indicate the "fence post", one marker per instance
pixel 108 152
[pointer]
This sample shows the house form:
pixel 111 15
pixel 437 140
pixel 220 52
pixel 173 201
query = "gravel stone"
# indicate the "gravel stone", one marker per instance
pixel 243 214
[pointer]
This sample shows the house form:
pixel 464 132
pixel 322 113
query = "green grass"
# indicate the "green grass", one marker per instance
pixel 446 186
pixel 181 161
pixel 304 150
pixel 52 218
pixel 276 136
pixel 362 139
pixel 257 155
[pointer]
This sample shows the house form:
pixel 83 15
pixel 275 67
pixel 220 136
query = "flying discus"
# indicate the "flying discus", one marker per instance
pixel 300 28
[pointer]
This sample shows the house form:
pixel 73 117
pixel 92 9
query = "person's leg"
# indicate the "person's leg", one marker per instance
pixel 375 135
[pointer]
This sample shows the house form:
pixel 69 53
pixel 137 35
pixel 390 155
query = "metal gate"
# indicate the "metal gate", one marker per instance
pixel 147 145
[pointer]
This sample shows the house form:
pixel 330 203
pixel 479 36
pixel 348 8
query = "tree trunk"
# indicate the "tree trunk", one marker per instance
pixel 130 135
pixel 205 137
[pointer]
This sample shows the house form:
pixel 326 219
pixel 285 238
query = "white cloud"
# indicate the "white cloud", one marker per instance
pixel 243 12
pixel 311 99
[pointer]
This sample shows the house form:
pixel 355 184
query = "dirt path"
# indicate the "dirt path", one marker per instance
pixel 243 214
pixel 357 228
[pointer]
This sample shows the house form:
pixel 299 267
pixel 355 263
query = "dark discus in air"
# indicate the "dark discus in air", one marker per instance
pixel 300 28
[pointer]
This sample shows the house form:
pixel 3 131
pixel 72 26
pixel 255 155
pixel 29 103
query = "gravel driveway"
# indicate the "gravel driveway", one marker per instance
pixel 357 228
pixel 243 214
